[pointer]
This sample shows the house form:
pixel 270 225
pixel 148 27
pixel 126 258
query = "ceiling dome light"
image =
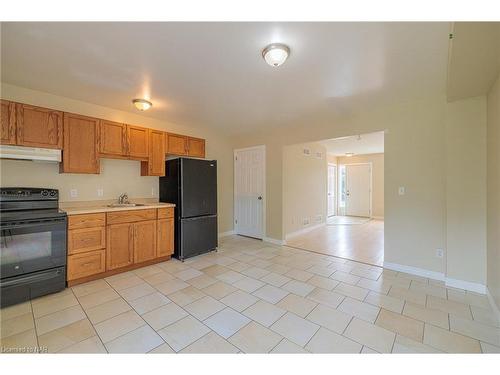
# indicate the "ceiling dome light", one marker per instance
pixel 349 154
pixel 142 104
pixel 276 54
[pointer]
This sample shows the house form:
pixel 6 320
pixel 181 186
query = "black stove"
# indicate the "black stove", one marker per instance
pixel 33 244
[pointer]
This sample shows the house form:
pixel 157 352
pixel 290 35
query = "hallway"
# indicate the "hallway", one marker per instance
pixel 359 242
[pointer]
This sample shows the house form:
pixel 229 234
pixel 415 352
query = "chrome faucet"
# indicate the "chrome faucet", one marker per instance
pixel 123 199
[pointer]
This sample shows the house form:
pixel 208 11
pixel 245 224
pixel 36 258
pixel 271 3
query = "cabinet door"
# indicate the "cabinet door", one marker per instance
pixel 177 144
pixel 138 142
pixel 81 144
pixel 113 139
pixel 155 166
pixel 8 122
pixel 119 245
pixel 165 240
pixel 39 127
pixel 144 241
pixel 196 147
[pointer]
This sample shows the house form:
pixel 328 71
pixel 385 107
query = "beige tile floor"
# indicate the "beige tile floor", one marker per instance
pixel 254 297
pixel 359 242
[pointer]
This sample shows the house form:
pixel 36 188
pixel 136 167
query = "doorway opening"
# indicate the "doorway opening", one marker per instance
pixel 353 210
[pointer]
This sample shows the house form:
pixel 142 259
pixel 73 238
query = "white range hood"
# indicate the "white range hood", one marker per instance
pixel 30 153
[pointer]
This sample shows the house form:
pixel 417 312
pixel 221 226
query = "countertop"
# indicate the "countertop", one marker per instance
pixel 78 208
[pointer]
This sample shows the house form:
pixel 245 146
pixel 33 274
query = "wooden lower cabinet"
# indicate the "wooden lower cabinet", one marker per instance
pixel 165 241
pixel 144 241
pixel 86 264
pixel 103 244
pixel 119 245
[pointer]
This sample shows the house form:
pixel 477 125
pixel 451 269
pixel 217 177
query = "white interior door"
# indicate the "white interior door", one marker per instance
pixel 332 197
pixel 358 190
pixel 249 186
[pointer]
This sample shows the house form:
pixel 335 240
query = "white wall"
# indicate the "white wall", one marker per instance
pixel 466 190
pixel 305 186
pixel 493 191
pixel 117 175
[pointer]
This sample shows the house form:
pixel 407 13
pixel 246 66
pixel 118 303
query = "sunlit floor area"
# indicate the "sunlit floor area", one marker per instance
pixel 254 297
pixel 354 241
pixel 347 220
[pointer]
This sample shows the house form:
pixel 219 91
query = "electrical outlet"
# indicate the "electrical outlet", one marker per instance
pixel 305 221
pixel 100 192
pixel 307 152
pixel 439 253
pixel 401 190
pixel 73 193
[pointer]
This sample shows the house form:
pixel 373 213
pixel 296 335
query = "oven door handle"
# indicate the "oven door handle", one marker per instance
pixel 31 225
pixel 32 278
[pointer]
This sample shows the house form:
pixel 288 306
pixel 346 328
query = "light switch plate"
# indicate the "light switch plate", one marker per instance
pixel 73 193
pixel 100 192
pixel 439 253
pixel 401 190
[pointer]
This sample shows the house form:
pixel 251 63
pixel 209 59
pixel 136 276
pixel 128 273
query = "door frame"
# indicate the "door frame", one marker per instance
pixel 264 188
pixel 335 188
pixel 371 184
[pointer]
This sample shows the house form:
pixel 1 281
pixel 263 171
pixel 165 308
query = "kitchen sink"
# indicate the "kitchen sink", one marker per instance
pixel 126 204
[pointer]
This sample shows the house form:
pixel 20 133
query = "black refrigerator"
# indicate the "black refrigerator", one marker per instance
pixel 191 184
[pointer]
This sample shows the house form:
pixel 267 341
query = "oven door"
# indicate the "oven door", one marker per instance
pixel 32 245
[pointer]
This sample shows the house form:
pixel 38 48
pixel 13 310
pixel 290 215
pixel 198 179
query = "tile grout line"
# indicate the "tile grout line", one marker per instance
pixel 93 327
pixel 132 309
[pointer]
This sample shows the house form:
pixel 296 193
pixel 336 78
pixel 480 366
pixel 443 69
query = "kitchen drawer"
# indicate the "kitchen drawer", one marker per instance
pixel 130 216
pixel 86 239
pixel 86 221
pixel 165 213
pixel 86 264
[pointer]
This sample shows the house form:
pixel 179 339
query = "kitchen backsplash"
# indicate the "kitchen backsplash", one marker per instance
pixel 117 177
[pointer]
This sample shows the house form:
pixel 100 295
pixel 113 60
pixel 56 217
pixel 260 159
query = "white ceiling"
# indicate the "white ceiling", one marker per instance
pixel 370 143
pixel 213 75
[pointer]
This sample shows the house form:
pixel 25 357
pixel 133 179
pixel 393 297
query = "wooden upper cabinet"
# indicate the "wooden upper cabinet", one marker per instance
pixel 196 147
pixel 8 122
pixel 177 144
pixel 81 144
pixel 144 241
pixel 138 142
pixel 155 166
pixel 113 139
pixel 119 245
pixel 38 127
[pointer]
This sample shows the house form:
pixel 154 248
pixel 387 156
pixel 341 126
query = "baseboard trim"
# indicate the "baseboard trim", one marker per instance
pixel 303 230
pixel 225 234
pixel 494 306
pixel 454 283
pixel 274 241
pixel 415 271
pixel 467 285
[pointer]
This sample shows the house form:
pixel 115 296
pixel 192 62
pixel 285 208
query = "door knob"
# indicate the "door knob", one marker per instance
pixel 259 198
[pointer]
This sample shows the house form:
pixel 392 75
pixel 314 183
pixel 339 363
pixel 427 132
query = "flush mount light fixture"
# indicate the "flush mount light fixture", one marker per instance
pixel 349 154
pixel 275 54
pixel 142 104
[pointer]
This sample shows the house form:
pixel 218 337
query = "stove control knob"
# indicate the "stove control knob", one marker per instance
pixel 45 193
pixel 52 193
